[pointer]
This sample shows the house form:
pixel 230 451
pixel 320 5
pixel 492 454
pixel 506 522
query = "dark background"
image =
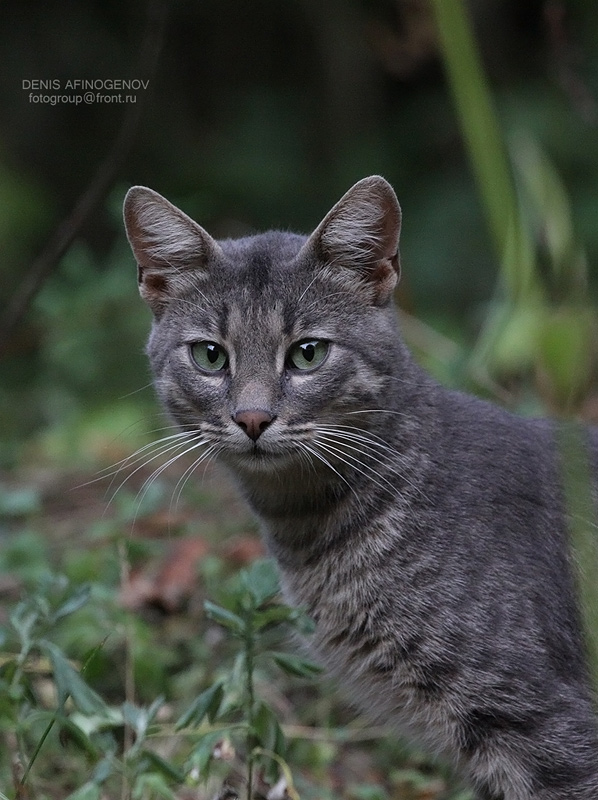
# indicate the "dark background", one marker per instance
pixel 258 114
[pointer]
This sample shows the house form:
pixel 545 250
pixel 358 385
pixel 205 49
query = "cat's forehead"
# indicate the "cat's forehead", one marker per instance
pixel 263 272
pixel 257 261
pixel 259 285
pixel 267 284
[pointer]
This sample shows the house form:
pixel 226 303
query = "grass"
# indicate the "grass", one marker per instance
pixel 112 690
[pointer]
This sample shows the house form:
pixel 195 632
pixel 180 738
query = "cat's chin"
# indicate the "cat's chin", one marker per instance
pixel 261 461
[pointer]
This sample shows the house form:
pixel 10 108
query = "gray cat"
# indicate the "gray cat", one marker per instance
pixel 422 529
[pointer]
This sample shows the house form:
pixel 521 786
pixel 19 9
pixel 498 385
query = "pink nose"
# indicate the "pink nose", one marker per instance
pixel 253 422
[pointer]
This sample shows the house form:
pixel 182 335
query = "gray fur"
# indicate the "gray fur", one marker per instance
pixel 423 529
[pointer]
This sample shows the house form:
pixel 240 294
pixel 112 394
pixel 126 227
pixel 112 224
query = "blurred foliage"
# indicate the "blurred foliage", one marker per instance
pixel 543 322
pixel 261 115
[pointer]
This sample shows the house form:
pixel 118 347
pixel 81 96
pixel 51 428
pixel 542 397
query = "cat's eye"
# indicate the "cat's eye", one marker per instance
pixel 209 356
pixel 308 354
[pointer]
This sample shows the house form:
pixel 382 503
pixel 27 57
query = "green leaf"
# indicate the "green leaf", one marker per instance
pixel 164 767
pixel 23 620
pixel 272 615
pixel 236 680
pixel 151 785
pixel 207 703
pixel 77 734
pixel 89 791
pixel 104 769
pixel 304 623
pixel 367 791
pixel 225 617
pixel 70 683
pixel 19 502
pixel 411 777
pixel 486 149
pixel 107 719
pixel 201 754
pixel 566 352
pixel 136 718
pixel 294 665
pixel 268 731
pixel 73 603
pixel 261 581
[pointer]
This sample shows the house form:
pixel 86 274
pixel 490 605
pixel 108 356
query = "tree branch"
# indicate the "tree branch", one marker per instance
pixel 99 186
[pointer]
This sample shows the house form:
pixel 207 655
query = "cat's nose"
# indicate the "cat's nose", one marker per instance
pixel 253 422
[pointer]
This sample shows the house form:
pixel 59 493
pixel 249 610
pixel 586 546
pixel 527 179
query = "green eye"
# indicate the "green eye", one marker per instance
pixel 308 354
pixel 209 356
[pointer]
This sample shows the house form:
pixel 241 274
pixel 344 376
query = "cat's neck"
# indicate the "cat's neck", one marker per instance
pixel 295 493
pixel 306 509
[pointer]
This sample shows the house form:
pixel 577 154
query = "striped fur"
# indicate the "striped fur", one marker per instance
pixel 423 530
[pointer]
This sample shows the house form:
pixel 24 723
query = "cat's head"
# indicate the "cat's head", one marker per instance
pixel 261 344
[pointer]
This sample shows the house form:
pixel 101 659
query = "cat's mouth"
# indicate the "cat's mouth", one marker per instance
pixel 260 453
pixel 260 457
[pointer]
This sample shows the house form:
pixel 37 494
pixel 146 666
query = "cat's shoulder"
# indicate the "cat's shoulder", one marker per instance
pixel 482 424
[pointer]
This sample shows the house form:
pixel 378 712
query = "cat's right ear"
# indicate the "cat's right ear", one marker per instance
pixel 167 244
pixel 359 239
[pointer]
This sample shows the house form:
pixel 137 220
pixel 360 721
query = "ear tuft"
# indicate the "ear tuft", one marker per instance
pixel 166 244
pixel 361 234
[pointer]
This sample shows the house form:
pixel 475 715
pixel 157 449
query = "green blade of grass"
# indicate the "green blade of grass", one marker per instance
pixel 486 149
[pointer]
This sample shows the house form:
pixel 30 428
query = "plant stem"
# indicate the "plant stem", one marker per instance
pixel 129 667
pixel 250 699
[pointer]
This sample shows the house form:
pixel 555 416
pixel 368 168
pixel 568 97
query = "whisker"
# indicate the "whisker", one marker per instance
pixel 145 455
pixel 376 446
pixel 140 454
pixel 327 463
pixel 136 391
pixel 182 481
pixel 379 450
pixel 361 466
pixel 162 449
pixel 309 285
pixel 107 472
pixel 159 470
pixel 145 487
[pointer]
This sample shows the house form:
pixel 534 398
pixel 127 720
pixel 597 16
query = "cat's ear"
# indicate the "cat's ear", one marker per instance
pixel 361 236
pixel 167 244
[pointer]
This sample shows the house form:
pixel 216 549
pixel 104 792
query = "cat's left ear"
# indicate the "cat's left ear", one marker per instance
pixel 167 245
pixel 361 235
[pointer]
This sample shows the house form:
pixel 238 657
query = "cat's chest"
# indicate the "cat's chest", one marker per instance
pixel 374 647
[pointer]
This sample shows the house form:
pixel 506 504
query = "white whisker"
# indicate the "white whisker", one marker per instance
pixel 320 457
pixel 309 285
pixel 374 446
pixel 114 468
pixel 155 450
pixel 145 487
pixel 182 481
pixel 358 464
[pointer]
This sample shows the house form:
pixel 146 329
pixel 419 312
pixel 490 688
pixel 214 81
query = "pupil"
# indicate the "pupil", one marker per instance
pixel 309 352
pixel 212 353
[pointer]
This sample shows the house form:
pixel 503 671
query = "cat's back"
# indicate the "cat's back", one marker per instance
pixel 497 516
pixel 488 459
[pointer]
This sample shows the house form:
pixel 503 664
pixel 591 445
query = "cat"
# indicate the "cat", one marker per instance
pixel 422 529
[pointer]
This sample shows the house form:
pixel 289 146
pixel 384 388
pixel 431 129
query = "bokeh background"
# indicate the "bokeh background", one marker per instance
pixel 258 114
